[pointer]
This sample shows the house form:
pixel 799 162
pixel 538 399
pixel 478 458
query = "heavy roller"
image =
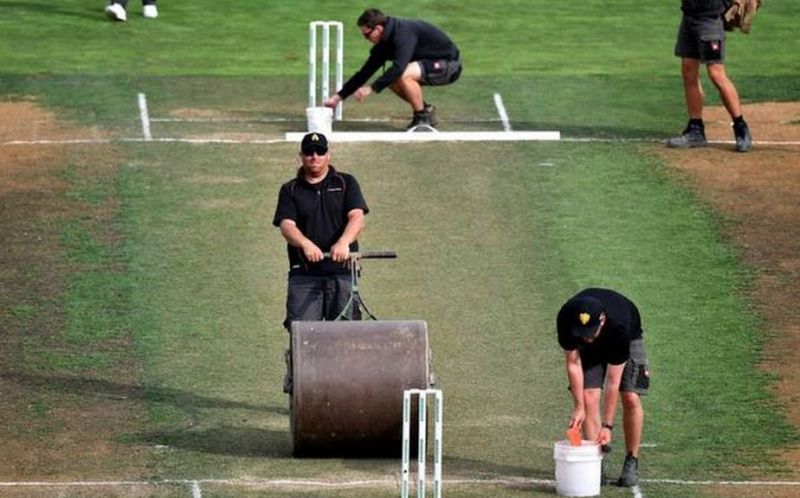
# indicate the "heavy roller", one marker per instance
pixel 349 378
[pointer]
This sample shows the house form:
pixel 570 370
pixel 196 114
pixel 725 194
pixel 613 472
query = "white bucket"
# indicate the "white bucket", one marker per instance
pixel 320 120
pixel 578 468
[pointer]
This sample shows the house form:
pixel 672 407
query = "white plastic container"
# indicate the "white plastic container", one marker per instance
pixel 578 468
pixel 320 120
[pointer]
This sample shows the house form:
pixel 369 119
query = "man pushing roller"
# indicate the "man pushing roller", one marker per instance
pixel 421 54
pixel 600 332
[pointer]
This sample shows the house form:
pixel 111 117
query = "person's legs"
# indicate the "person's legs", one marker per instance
pixel 304 299
pixel 692 87
pixel 594 374
pixel 635 383
pixel 408 87
pixel 337 297
pixel 694 133
pixel 730 98
pixel 727 91
pixel 633 421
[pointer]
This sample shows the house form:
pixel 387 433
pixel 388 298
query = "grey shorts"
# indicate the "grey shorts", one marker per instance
pixel 319 298
pixel 701 38
pixel 440 71
pixel 635 377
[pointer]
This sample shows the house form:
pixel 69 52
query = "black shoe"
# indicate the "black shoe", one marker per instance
pixel 692 136
pixel 421 118
pixel 630 472
pixel 431 110
pixel 744 141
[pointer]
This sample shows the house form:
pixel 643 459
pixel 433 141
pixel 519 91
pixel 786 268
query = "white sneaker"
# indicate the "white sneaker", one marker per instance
pixel 150 11
pixel 116 12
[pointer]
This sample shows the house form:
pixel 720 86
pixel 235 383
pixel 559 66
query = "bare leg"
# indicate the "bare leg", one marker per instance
pixel 692 88
pixel 407 87
pixel 728 93
pixel 633 420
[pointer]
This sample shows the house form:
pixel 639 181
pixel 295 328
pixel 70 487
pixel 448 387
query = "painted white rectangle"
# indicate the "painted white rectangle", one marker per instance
pixel 501 111
pixel 144 116
pixel 438 136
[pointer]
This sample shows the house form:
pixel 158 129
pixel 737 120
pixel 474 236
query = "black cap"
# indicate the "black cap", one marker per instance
pixel 585 317
pixel 314 142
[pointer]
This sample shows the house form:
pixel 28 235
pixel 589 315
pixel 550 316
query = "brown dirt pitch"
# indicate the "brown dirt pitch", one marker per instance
pixel 56 423
pixel 759 193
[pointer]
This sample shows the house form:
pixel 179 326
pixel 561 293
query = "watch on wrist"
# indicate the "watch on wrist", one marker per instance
pixel 610 427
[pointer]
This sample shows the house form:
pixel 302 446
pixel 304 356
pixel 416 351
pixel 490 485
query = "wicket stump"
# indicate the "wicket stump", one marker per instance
pixel 326 62
pixel 422 441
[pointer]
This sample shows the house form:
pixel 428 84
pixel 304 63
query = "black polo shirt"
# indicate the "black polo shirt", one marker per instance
pixel 612 346
pixel 320 212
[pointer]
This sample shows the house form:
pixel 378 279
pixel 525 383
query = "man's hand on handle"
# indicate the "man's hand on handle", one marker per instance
pixel 312 253
pixel 340 252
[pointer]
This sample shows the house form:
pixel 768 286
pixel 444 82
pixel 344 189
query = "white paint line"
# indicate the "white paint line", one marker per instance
pixel 203 141
pixel 380 136
pixel 59 142
pixel 442 136
pixel 388 481
pixel 298 120
pixel 501 110
pixel 292 483
pixel 720 483
pixel 144 117
pixel 196 493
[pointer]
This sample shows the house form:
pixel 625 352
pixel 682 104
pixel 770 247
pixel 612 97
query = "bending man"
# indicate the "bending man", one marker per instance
pixel 600 332
pixel 420 53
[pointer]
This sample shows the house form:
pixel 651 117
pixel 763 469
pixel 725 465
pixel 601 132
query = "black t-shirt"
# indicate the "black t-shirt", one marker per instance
pixel 703 8
pixel 320 212
pixel 403 41
pixel 612 346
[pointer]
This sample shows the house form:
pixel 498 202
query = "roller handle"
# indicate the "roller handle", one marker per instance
pixel 369 255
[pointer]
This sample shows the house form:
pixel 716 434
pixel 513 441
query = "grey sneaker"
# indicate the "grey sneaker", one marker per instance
pixel 744 141
pixel 422 118
pixel 431 110
pixel 630 472
pixel 692 136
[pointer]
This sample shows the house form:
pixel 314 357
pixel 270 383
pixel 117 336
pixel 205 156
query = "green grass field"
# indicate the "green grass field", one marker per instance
pixel 179 290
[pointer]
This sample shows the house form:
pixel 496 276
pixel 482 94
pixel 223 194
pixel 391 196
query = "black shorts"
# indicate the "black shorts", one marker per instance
pixel 701 38
pixel 440 71
pixel 635 377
